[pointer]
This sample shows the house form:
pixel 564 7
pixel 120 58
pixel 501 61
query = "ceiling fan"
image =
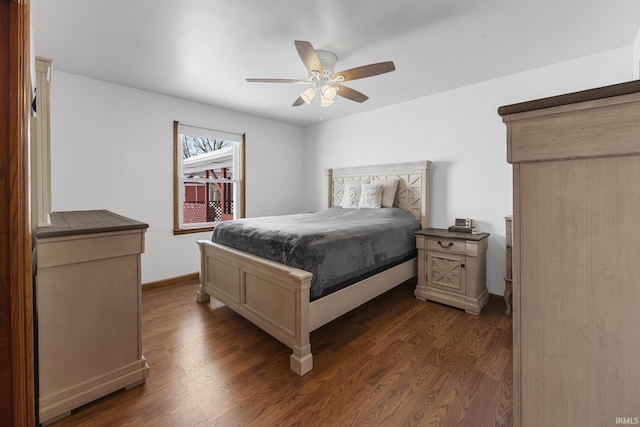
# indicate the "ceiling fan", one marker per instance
pixel 322 79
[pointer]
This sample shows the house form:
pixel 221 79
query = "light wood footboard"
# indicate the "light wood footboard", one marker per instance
pixel 275 297
pixel 271 295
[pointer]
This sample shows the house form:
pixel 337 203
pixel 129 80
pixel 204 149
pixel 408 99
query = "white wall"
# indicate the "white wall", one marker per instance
pixel 636 57
pixel 462 134
pixel 112 148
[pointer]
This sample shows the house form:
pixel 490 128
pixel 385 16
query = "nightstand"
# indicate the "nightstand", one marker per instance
pixel 452 268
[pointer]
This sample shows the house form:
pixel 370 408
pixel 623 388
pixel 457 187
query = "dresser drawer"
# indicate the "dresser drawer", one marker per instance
pixel 57 251
pixel 445 244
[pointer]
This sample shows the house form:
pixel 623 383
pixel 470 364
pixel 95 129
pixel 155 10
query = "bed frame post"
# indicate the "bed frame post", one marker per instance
pixel 201 295
pixel 301 361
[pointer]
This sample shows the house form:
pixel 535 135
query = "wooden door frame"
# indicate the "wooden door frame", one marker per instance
pixel 17 395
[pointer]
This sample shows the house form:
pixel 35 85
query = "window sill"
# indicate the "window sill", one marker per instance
pixel 178 231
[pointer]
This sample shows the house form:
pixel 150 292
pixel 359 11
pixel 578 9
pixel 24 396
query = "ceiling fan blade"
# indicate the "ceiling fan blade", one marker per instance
pixel 309 56
pixel 276 81
pixel 366 71
pixel 298 102
pixel 352 94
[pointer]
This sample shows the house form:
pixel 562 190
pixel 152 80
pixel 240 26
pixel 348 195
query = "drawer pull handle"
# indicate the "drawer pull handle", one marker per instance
pixel 462 265
pixel 446 247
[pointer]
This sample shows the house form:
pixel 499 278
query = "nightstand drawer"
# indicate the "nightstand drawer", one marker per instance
pixel 447 245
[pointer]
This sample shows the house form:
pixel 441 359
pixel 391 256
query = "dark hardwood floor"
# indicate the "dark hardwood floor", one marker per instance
pixel 394 361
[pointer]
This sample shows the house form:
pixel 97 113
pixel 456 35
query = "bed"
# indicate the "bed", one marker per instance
pixel 277 297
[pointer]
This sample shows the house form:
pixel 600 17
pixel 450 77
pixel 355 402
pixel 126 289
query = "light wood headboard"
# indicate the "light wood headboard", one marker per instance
pixel 413 186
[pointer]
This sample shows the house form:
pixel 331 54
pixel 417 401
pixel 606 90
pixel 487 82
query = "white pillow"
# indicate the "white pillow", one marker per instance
pixel 389 188
pixel 351 196
pixel 370 196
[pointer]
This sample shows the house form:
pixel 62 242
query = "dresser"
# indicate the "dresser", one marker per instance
pixel 576 257
pixel 452 268
pixel 87 309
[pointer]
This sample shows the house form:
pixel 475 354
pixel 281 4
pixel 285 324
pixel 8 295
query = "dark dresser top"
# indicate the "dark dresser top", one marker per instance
pixel 442 232
pixel 572 98
pixel 72 223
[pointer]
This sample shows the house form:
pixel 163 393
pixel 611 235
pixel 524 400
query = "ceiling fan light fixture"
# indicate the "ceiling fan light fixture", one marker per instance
pixel 328 92
pixel 307 95
pixel 326 102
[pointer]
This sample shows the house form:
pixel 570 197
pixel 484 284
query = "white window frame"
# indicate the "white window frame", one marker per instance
pixel 238 140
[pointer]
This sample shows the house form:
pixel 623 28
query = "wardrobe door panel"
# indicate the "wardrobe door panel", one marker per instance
pixel 579 264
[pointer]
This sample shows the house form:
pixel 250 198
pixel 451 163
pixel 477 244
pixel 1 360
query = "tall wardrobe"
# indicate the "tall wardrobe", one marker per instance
pixel 576 257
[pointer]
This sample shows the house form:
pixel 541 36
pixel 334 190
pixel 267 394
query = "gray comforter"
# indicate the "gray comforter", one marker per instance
pixel 335 244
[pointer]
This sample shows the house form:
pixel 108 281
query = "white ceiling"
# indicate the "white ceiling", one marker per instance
pixel 202 50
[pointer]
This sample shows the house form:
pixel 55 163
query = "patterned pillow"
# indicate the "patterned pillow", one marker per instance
pixel 351 196
pixel 370 196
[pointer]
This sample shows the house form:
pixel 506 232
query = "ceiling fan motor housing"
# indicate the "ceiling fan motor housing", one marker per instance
pixel 328 61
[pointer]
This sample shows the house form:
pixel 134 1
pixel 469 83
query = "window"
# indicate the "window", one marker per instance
pixel 208 178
